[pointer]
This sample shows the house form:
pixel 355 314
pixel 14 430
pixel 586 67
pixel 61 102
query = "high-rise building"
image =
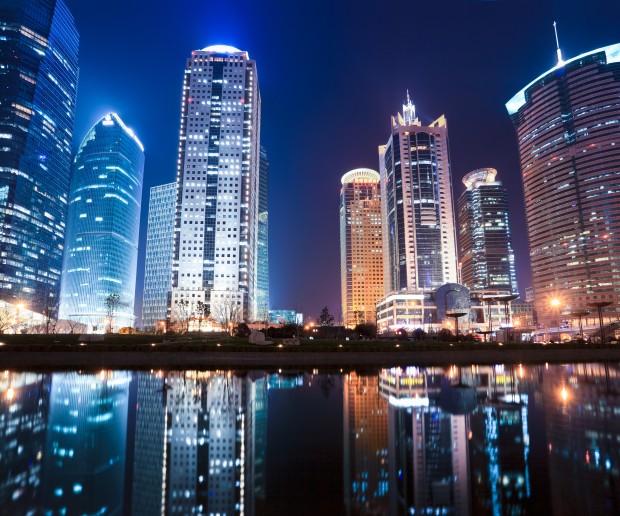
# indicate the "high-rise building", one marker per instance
pixel 39 71
pixel 216 235
pixel 361 246
pixel 262 285
pixel 419 241
pixel 485 246
pixel 103 222
pixel 158 261
pixel 568 125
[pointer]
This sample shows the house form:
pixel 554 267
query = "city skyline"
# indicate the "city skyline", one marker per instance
pixel 315 269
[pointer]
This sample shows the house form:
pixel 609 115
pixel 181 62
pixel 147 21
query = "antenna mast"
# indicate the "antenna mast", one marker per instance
pixel 557 44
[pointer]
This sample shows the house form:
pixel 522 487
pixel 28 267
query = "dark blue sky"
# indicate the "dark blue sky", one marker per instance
pixel 331 73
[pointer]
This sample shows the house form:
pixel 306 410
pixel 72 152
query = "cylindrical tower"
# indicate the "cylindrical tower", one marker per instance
pixel 568 129
pixel 361 246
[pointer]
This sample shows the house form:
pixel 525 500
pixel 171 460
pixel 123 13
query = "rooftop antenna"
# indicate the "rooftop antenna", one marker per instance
pixel 557 45
pixel 409 112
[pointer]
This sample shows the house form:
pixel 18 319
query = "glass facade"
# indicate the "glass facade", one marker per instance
pixel 216 235
pixel 262 295
pixel 361 246
pixel 485 246
pixel 159 249
pixel 568 130
pixel 38 75
pixel 102 227
pixel 418 217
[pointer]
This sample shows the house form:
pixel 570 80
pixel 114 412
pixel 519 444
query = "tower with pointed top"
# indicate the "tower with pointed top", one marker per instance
pixel 417 208
pixel 568 130
pixel 103 222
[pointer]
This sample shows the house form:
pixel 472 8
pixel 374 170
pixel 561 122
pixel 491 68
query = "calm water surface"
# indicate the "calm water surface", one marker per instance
pixel 473 440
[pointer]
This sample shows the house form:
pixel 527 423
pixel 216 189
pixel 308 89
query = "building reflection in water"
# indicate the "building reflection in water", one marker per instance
pixel 85 449
pixel 24 406
pixel 416 441
pixel 582 413
pixel 365 446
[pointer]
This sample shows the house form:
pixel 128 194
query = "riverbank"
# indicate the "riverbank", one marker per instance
pixel 298 359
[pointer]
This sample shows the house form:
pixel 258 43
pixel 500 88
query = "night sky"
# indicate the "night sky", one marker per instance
pixel 331 73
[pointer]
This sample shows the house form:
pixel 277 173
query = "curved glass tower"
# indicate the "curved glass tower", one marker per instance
pixel 568 130
pixel 102 227
pixel 38 74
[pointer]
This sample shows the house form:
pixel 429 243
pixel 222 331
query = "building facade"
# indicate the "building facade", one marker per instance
pixel 361 246
pixel 39 70
pixel 158 261
pixel 216 234
pixel 262 285
pixel 103 222
pixel 485 245
pixel 419 240
pixel 568 130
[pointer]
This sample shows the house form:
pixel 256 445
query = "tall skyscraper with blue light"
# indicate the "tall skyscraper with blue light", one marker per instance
pixel 262 282
pixel 103 222
pixel 567 122
pixel 38 78
pixel 158 262
pixel 216 235
pixel 485 245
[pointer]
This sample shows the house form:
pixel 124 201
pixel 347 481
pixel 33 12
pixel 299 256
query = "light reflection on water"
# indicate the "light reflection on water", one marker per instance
pixel 460 440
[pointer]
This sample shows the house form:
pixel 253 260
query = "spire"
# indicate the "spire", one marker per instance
pixel 557 45
pixel 409 112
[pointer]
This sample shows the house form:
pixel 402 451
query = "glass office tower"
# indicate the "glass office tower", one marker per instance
pixel 158 262
pixel 486 254
pixel 262 293
pixel 568 130
pixel 418 215
pixel 38 78
pixel 102 227
pixel 361 246
pixel 216 235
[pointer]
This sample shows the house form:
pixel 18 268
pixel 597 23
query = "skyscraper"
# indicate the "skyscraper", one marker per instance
pixel 568 125
pixel 262 285
pixel 361 246
pixel 102 227
pixel 419 241
pixel 39 71
pixel 485 245
pixel 159 249
pixel 216 234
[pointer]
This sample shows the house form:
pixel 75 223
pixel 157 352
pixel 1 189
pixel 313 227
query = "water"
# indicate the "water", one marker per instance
pixel 472 440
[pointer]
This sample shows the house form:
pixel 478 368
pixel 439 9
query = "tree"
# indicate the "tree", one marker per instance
pixel 111 306
pixel 202 312
pixel 366 330
pixel 226 311
pixel 325 318
pixel 7 317
pixel 183 312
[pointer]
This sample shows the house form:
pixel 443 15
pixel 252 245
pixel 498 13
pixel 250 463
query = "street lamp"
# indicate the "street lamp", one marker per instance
pixel 580 314
pixel 455 316
pixel 506 300
pixel 555 304
pixel 599 308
